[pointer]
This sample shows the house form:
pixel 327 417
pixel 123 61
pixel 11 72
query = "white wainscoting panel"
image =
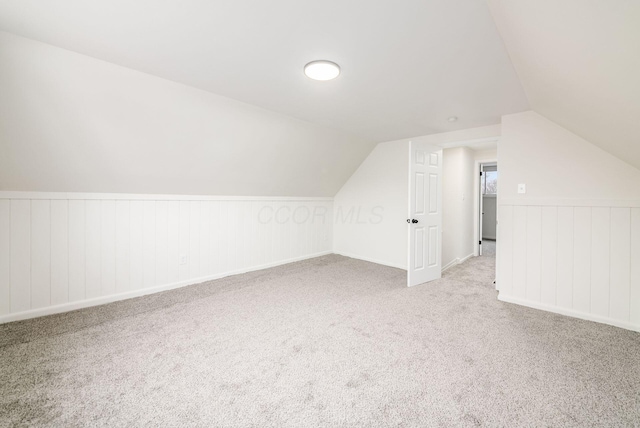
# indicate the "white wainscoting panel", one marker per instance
pixel 620 298
pixel 572 258
pixel 5 256
pixel 635 268
pixel 20 265
pixel 564 263
pixel 61 252
pixel 76 262
pixel 549 255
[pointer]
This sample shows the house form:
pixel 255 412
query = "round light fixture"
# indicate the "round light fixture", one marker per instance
pixel 453 119
pixel 322 70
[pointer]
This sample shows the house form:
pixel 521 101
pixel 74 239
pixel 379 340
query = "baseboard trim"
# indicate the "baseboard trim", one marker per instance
pixel 451 264
pixel 569 312
pixel 369 259
pixel 464 259
pixel 457 261
pixel 72 306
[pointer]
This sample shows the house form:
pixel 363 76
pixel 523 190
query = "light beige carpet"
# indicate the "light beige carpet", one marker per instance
pixel 488 247
pixel 330 341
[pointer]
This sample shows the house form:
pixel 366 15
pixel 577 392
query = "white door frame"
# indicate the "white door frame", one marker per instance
pixel 477 205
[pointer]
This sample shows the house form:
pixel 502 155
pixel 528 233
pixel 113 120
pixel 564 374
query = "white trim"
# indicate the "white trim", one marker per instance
pixel 569 312
pixel 457 261
pixel 5 194
pixel 452 263
pixel 567 202
pixel 469 143
pixel 66 307
pixel 368 259
pixel 465 258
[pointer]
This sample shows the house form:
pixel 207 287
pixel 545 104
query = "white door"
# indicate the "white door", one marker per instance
pixel 425 213
pixel 481 212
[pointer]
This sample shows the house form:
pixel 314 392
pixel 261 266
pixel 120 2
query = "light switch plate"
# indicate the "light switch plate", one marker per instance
pixel 522 188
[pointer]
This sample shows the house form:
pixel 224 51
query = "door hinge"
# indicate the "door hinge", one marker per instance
pixel 480 173
pixel 479 242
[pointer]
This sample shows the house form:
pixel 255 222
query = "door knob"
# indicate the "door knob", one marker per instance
pixel 409 220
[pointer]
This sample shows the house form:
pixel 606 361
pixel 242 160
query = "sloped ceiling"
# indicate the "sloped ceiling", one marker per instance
pixel 406 66
pixel 579 63
pixel 71 123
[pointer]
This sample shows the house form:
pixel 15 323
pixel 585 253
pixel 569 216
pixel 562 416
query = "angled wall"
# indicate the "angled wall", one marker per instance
pixel 71 123
pixel 370 210
pixel 115 183
pixel 578 63
pixel 571 243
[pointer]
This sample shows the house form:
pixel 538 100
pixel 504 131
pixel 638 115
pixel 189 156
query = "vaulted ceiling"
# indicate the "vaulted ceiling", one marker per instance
pixel 406 67
pixel 579 63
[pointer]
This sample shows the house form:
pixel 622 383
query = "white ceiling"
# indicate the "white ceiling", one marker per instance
pixel 406 66
pixel 71 123
pixel 579 63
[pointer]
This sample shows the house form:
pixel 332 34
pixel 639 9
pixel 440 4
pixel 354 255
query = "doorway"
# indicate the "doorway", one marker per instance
pixel 487 214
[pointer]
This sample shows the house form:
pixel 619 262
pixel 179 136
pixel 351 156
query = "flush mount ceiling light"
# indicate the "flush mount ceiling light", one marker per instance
pixel 322 70
pixel 453 119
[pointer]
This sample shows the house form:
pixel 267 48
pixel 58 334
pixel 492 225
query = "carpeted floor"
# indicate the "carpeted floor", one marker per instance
pixel 330 341
pixel 488 247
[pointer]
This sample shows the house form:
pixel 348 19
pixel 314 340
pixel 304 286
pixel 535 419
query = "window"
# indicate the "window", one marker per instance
pixel 490 183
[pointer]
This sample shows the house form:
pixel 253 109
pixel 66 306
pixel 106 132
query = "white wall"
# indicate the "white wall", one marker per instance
pixel 72 123
pixel 370 210
pixel 460 173
pixel 380 185
pixel 472 137
pixel 458 207
pixel 486 154
pixel 482 142
pixel 66 251
pixel 489 216
pixel 555 163
pixel 571 244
